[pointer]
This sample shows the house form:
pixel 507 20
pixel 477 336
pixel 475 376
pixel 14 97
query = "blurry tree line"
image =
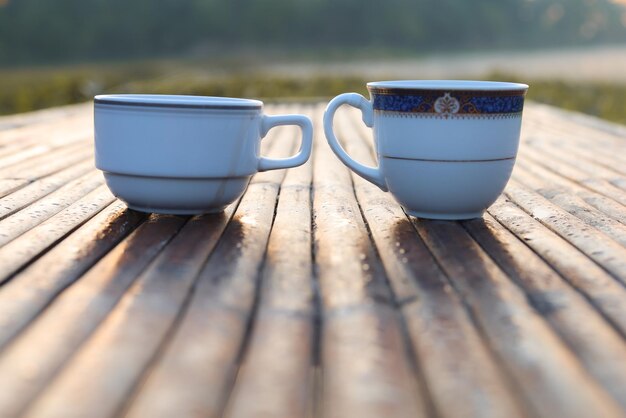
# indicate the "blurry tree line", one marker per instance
pixel 42 31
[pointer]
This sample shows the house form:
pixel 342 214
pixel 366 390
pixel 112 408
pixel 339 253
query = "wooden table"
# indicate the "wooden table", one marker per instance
pixel 314 295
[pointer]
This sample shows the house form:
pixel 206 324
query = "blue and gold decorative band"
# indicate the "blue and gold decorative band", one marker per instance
pixel 449 104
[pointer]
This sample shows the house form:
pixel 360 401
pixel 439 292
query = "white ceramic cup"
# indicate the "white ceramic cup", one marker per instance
pixel 445 148
pixel 185 154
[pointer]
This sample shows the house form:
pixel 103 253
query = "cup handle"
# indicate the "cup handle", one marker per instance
pixel 371 174
pixel 268 122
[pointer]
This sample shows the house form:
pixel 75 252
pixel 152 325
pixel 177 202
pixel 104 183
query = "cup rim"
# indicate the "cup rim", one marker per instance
pixel 178 101
pixel 447 85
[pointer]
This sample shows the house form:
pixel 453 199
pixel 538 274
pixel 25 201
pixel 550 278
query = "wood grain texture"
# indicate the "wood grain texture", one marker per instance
pixel 196 371
pixel 548 374
pixel 34 288
pixel 75 314
pixel 29 245
pixel 551 186
pixel 366 369
pixel 135 329
pixel 606 293
pixel 275 375
pixel 35 190
pixel 31 216
pixel 81 117
pixel 131 335
pixel 30 145
pixel 463 380
pixel 571 201
pixel 316 295
pixel 600 185
pixel 595 342
pixel 40 166
pixel 44 116
pixel 580 130
pixel 595 244
pixel 8 186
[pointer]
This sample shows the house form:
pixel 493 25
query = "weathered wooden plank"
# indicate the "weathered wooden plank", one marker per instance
pixel 8 186
pixel 50 115
pixel 37 189
pixel 28 293
pixel 196 371
pixel 462 378
pixel 608 158
pixel 597 169
pixel 265 358
pixel 63 122
pixel 547 373
pixel 607 138
pixel 621 183
pixel 606 293
pixel 366 369
pixel 22 152
pixel 341 235
pixel 275 376
pixel 611 169
pixel 39 166
pixel 362 366
pixel 590 215
pixel 549 183
pixel 560 130
pixel 570 121
pixel 608 188
pixel 13 157
pixel 113 359
pixel 581 119
pixel 599 347
pixel 135 329
pixel 567 156
pixel 534 156
pixel 26 144
pixel 567 200
pixel 33 215
pixel 599 185
pixel 75 314
pixel 607 206
pixel 23 144
pixel 283 345
pixel 27 246
pixel 596 245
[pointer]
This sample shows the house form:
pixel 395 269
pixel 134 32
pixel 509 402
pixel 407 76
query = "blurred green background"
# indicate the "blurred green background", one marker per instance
pixel 54 52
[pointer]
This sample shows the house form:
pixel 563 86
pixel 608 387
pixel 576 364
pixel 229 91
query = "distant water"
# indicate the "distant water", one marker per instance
pixel 606 63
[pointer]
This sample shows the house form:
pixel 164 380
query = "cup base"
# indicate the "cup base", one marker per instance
pixel 170 211
pixel 445 216
pixel 176 195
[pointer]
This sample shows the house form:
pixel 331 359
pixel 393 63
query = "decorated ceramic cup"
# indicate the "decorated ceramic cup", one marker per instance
pixel 185 154
pixel 445 149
